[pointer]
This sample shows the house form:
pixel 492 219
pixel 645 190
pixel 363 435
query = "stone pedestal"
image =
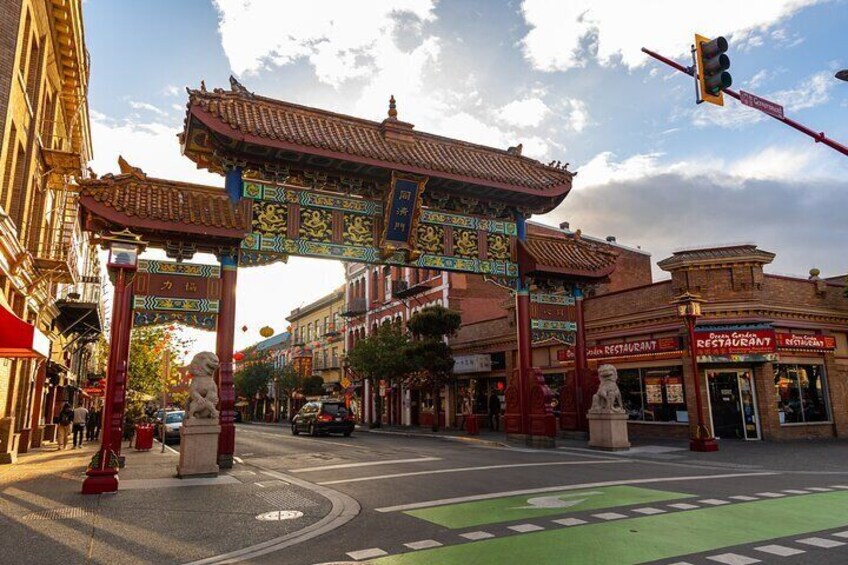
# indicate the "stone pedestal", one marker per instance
pixel 199 448
pixel 8 441
pixel 608 431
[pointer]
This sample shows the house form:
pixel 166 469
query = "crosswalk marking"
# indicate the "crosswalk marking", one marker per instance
pixel 648 510
pixel 743 497
pixel 474 536
pixel 843 487
pixel 366 554
pixel 821 542
pixel 779 550
pixel 820 489
pixel 524 528
pixel 423 544
pixel 795 491
pixel 841 534
pixel 770 494
pixel 609 516
pixel 569 521
pixel 713 501
pixel 684 506
pixel 733 559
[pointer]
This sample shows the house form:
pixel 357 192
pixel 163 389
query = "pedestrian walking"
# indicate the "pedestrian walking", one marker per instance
pixel 80 419
pixel 89 425
pixel 63 422
pixel 98 421
pixel 494 411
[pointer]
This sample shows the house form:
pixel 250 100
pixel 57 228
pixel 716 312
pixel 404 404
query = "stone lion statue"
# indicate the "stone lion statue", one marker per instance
pixel 608 397
pixel 203 395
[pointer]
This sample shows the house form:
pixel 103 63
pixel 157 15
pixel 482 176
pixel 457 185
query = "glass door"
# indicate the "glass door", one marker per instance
pixel 733 405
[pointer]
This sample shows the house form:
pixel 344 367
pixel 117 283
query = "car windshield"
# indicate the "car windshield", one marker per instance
pixel 334 409
pixel 174 417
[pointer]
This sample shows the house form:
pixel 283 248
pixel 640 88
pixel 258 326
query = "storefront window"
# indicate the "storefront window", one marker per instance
pixel 653 394
pixel 800 391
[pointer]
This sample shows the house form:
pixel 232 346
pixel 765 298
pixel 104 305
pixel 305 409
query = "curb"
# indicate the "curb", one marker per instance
pixel 463 439
pixel 344 509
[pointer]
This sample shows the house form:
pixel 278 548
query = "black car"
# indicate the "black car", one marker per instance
pixel 323 417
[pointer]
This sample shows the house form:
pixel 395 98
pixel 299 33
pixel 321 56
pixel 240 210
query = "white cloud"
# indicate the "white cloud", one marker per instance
pixel 337 37
pixel 578 116
pixel 528 112
pixel 172 90
pixel 147 106
pixel 566 35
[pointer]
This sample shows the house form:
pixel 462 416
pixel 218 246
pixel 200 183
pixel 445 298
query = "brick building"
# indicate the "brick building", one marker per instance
pixel 772 350
pixel 50 309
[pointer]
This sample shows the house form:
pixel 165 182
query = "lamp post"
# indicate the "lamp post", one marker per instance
pixel 689 309
pixel 124 249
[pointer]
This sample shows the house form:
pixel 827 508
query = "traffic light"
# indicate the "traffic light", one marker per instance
pixel 712 62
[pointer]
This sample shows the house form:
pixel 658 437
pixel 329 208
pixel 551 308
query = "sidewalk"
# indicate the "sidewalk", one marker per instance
pixel 155 517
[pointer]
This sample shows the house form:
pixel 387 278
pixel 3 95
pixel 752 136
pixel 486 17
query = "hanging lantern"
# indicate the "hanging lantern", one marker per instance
pixel 238 356
pixel 267 331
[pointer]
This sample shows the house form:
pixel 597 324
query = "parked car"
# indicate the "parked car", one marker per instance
pixel 173 424
pixel 323 417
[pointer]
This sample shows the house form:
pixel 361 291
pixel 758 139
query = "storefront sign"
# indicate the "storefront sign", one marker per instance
pixel 735 342
pixel 625 349
pixel 464 364
pixel 808 342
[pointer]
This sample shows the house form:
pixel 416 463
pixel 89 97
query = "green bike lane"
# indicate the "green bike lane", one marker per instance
pixel 629 540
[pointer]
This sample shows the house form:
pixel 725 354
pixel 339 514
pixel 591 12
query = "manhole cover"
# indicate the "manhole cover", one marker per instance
pixel 278 515
pixel 59 513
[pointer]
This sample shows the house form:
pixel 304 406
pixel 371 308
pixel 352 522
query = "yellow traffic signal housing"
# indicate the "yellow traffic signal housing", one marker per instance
pixel 712 66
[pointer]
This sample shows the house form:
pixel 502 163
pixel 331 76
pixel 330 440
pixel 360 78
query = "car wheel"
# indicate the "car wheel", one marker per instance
pixel 295 431
pixel 347 434
pixel 312 431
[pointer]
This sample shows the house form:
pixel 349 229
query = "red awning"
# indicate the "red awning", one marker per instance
pixel 19 339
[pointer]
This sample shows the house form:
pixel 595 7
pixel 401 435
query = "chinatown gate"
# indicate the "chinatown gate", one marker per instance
pixel 307 182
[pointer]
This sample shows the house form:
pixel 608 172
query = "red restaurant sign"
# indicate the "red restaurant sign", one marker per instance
pixel 800 341
pixel 624 349
pixel 735 342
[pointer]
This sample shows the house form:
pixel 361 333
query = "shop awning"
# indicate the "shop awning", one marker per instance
pixel 19 339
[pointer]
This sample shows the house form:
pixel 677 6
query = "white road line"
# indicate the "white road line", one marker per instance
pixel 524 528
pixel 743 497
pixel 820 542
pixel 489 496
pixel 713 501
pixel 293 438
pixel 474 536
pixel 843 487
pixel 423 544
pixel 770 494
pixel 820 489
pixel 733 559
pixel 609 516
pixel 684 506
pixel 366 553
pixel 569 521
pixel 779 550
pixel 365 464
pixel 649 510
pixel 238 460
pixel 464 470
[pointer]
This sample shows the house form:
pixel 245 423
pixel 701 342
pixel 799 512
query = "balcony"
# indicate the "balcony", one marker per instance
pixel 355 307
pixel 325 365
pixel 80 309
pixel 402 289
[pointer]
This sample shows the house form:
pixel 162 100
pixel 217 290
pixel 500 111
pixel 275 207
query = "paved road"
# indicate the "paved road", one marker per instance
pixel 435 501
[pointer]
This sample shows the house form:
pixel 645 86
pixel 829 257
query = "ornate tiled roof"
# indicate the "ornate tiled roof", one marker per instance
pixel 134 200
pixel 736 253
pixel 547 251
pixel 389 144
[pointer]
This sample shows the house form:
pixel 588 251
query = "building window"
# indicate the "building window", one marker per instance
pixel 653 394
pixel 801 396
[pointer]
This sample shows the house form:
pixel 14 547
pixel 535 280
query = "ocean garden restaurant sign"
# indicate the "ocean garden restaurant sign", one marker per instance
pixel 623 349
pixel 736 344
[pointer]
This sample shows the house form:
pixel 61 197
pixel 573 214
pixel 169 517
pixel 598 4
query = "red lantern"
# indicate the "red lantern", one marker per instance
pixel 244 328
pixel 238 356
pixel 500 385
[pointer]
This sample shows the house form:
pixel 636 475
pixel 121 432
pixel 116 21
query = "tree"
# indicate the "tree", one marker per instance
pixel 381 356
pixel 429 353
pixel 149 346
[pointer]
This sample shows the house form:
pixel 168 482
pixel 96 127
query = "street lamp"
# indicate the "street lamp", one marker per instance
pixel 689 310
pixel 842 75
pixel 102 473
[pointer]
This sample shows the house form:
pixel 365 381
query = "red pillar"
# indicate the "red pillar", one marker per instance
pixel 525 361
pixel 103 469
pixel 224 350
pixel 581 367
pixel 37 401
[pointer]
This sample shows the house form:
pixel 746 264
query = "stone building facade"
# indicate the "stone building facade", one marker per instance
pixel 317 335
pixel 49 274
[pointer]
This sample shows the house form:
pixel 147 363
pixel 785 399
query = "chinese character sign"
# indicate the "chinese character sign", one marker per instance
pixel 402 209
pixel 167 292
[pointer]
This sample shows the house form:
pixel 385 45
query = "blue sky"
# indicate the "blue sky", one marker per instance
pixel 566 79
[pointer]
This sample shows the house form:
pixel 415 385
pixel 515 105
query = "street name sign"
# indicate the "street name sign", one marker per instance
pixel 766 106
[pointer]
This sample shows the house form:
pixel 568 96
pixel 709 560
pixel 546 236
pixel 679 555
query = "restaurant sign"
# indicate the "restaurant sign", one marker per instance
pixel 806 342
pixel 625 349
pixel 736 344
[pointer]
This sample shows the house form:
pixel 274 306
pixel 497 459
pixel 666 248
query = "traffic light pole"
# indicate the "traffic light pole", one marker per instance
pixel 818 137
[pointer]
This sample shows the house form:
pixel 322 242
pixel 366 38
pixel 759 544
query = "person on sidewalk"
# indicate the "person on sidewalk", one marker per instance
pixel 98 421
pixel 63 426
pixel 89 425
pixel 494 412
pixel 80 418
